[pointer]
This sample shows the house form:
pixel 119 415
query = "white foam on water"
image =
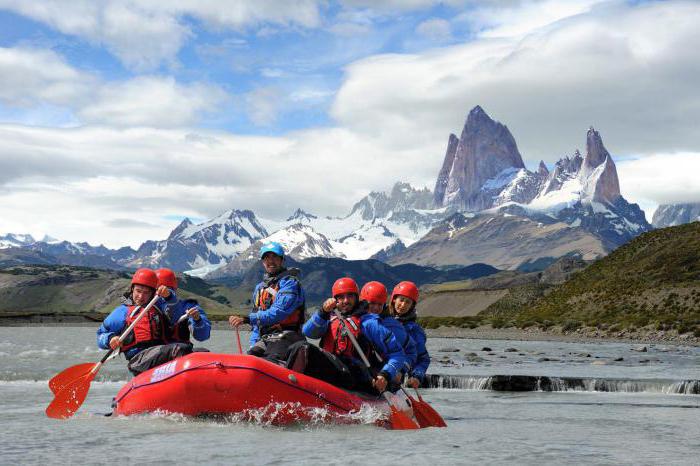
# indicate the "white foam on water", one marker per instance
pixel 42 353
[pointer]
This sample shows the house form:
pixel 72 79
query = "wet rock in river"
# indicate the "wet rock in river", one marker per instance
pixel 618 359
pixel 473 357
pixel 640 349
pixel 449 349
pixel 486 348
pixel 511 350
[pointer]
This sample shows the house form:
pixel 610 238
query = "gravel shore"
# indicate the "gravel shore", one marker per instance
pixel 556 334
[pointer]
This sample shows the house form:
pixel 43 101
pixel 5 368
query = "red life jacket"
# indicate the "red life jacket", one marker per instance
pixel 180 333
pixel 150 330
pixel 336 341
pixel 264 299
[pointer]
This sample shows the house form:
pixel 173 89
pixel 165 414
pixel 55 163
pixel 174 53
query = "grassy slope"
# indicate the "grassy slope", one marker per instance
pixel 652 280
pixel 67 290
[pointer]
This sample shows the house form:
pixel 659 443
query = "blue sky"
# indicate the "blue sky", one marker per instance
pixel 300 67
pixel 153 111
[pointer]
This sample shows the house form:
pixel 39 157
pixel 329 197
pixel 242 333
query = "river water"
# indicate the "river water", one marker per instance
pixel 643 409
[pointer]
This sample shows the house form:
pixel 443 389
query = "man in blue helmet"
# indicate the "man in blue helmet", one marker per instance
pixel 278 308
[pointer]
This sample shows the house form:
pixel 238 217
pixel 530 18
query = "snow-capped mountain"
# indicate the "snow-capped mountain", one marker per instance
pixel 203 247
pixel 668 215
pixel 13 240
pixel 575 206
pixel 483 171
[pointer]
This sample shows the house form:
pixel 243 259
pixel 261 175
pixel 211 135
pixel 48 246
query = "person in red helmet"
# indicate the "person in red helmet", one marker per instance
pixel 373 295
pixel 403 306
pixel 336 346
pixel 145 347
pixel 179 327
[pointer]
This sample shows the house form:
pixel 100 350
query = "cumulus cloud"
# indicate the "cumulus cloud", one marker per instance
pixel 30 76
pixel 152 101
pixel 35 78
pixel 146 34
pixel 150 174
pixel 626 69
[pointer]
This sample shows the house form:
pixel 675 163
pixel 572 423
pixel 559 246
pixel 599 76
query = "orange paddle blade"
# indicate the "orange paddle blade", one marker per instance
pixel 418 411
pixel 400 421
pixel 426 413
pixel 69 400
pixel 66 376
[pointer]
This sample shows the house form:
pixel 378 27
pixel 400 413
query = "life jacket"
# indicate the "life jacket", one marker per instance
pixel 336 340
pixel 265 298
pixel 149 331
pixel 180 333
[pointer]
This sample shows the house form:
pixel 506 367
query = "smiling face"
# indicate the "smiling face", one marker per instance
pixel 346 302
pixel 141 294
pixel 402 304
pixel 272 262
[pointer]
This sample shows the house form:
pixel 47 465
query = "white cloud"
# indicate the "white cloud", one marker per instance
pixel 38 80
pixel 517 18
pixel 152 101
pixel 435 29
pixel 661 178
pixel 30 76
pixel 75 184
pixel 147 33
pixel 628 70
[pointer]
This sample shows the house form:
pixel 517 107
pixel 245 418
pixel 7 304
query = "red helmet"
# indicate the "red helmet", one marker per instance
pixel 145 277
pixel 345 285
pixel 373 292
pixel 407 289
pixel 167 277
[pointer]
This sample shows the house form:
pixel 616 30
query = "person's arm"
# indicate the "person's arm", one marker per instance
pixel 317 325
pixel 289 298
pixel 389 348
pixel 112 326
pixel 421 366
pixel 201 327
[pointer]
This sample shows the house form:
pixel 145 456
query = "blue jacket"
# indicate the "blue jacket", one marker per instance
pixel 115 324
pixel 381 338
pixel 290 297
pixel 416 332
pixel 407 343
pixel 201 329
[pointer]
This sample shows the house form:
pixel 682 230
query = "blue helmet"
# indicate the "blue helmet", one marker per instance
pixel 273 247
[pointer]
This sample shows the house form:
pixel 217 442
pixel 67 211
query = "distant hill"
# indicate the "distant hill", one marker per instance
pixel 70 293
pixel 481 297
pixel 318 274
pixel 654 280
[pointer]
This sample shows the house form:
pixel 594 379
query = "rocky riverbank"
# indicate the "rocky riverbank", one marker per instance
pixel 584 334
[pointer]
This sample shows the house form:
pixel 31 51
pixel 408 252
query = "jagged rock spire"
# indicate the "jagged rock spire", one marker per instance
pixel 485 148
pixel 598 173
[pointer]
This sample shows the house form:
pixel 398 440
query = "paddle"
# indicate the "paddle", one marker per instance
pixel 238 339
pixel 427 411
pixel 73 383
pixel 397 419
pixel 65 377
pixel 425 414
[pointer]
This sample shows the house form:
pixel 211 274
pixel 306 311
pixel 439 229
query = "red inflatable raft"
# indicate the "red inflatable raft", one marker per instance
pixel 249 387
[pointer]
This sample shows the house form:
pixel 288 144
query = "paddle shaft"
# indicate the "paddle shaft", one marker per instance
pixel 125 333
pixel 352 339
pixel 238 340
